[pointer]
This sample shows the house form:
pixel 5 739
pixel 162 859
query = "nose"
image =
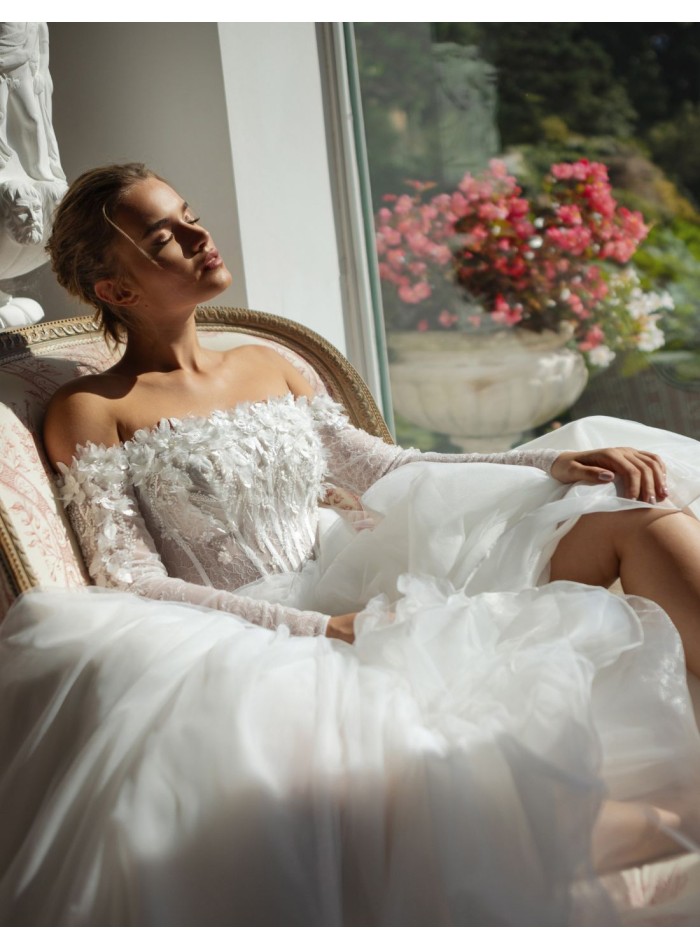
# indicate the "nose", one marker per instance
pixel 194 237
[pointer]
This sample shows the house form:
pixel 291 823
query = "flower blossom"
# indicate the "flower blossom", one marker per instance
pixel 415 294
pixel 600 356
pixel 447 319
pixel 547 261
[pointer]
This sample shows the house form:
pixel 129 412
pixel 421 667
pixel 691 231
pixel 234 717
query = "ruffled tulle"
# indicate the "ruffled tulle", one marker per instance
pixel 168 764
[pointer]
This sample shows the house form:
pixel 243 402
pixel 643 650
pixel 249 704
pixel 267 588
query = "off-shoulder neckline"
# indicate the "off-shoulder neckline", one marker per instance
pixel 173 422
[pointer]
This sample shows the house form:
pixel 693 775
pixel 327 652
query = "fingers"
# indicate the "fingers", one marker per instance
pixel 342 628
pixel 643 474
pixel 659 470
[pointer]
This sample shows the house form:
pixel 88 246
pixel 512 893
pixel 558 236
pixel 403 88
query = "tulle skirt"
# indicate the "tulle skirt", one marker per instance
pixel 166 764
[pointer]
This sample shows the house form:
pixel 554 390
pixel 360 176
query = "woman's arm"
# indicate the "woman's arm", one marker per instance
pixel 356 459
pixel 120 552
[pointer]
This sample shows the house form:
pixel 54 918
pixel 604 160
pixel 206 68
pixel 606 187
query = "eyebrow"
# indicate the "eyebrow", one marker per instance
pixel 152 228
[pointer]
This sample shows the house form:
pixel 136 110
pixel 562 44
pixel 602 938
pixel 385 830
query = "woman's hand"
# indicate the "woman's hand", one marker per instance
pixel 342 628
pixel 643 474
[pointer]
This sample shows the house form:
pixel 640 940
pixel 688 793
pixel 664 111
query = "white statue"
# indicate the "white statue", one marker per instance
pixel 31 178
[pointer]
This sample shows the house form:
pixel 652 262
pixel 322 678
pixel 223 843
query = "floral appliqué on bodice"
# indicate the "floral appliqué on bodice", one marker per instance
pixel 194 508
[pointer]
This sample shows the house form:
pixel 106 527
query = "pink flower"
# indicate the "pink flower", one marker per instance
pixel 561 170
pixel 574 240
pixel 404 205
pixel 633 224
pixel 396 258
pixel 620 250
pixel 447 319
pixel 575 303
pixel 390 236
pixel 552 256
pixel 503 313
pixel 600 199
pixel 417 293
pixel 386 273
pixel 459 204
pixel 418 243
pixel 441 254
pixel 492 212
pixel 498 168
pixel 422 326
pixel 518 208
pixel 593 338
pixel 524 229
pixel 569 214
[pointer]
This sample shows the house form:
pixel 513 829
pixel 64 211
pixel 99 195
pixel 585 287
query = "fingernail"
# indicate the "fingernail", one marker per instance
pixel 606 476
pixel 652 499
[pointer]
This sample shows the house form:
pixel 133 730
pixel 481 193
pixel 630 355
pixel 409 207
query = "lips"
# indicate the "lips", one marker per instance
pixel 212 260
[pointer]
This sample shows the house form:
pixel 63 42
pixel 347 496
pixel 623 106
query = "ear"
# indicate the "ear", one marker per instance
pixel 116 293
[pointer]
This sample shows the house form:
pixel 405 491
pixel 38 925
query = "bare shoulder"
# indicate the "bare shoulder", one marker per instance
pixel 82 411
pixel 268 361
pixel 256 352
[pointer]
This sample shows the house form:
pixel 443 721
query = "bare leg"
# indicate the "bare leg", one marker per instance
pixel 626 833
pixel 654 552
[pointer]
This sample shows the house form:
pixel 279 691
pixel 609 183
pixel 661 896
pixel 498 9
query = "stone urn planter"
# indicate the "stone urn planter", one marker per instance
pixel 486 392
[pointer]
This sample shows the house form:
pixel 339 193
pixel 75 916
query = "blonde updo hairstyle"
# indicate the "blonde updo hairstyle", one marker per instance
pixel 81 246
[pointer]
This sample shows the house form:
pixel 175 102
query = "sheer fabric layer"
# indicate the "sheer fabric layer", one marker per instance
pixel 194 509
pixel 172 764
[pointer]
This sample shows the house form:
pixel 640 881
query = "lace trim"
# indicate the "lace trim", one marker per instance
pixel 322 408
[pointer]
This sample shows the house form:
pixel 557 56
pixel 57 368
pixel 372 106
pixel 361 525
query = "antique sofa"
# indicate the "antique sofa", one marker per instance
pixel 37 547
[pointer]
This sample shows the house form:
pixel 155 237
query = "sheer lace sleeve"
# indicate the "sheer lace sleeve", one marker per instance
pixel 357 459
pixel 120 552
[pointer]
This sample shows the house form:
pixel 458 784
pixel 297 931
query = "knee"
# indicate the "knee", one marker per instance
pixel 644 525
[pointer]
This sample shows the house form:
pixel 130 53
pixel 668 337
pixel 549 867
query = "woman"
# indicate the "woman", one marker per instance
pixel 446 763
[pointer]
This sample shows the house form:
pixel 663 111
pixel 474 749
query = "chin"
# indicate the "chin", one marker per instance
pixel 220 280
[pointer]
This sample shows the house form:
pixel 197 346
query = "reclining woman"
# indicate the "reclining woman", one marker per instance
pixel 356 717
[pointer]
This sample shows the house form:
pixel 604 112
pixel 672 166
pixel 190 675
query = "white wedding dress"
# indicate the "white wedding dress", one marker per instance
pixel 191 749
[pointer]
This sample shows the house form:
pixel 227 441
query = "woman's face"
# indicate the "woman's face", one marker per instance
pixel 170 260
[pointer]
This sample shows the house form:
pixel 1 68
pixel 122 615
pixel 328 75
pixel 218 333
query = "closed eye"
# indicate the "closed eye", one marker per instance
pixel 167 237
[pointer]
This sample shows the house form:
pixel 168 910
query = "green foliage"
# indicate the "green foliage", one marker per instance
pixel 625 94
pixel 670 258
pixel 675 144
pixel 413 436
pixel 550 69
pixel 398 97
pixel 625 80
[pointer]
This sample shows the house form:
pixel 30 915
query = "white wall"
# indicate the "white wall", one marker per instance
pixel 233 117
pixel 149 92
pixel 278 147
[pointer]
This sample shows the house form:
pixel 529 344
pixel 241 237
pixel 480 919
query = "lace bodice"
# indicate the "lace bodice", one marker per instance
pixel 195 508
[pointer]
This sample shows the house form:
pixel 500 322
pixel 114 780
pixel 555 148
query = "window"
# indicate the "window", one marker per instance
pixel 595 133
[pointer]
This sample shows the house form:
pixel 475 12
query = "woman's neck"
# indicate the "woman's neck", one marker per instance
pixel 164 348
